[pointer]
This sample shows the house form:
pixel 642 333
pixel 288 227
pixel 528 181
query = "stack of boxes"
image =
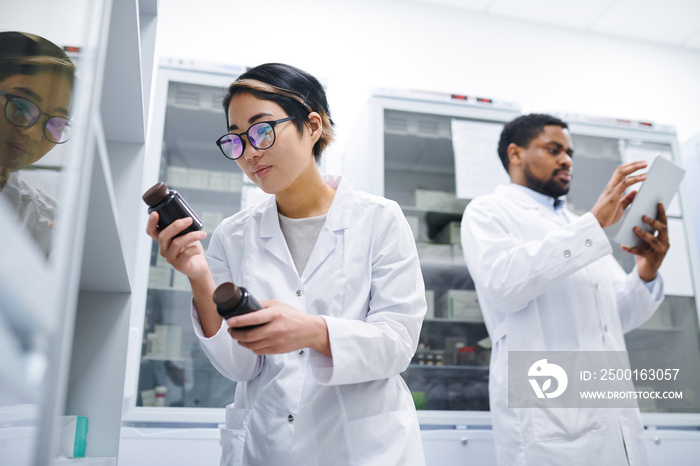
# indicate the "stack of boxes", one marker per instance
pixel 182 177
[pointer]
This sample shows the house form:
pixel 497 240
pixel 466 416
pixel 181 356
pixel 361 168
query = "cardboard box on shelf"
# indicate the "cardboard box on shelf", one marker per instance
pixel 225 181
pixel 160 276
pixel 441 201
pixel 235 180
pixel 450 234
pixel 458 255
pixel 177 176
pixel 432 252
pixel 414 223
pixel 460 304
pixel 430 300
pixel 219 181
pixel 198 178
pixel 180 281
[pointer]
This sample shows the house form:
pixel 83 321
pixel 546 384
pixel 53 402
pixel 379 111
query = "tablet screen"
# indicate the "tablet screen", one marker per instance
pixel 663 179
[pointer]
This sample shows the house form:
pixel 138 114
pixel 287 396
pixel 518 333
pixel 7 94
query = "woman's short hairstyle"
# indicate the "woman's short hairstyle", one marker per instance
pixel 29 54
pixel 295 90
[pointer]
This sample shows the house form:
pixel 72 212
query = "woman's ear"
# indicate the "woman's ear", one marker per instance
pixel 315 126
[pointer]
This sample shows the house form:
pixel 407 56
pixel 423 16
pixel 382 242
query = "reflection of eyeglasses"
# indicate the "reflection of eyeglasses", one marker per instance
pixel 261 136
pixel 25 113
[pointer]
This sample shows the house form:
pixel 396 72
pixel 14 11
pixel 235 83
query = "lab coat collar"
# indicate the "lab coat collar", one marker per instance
pixel 340 211
pixel 525 198
pixel 12 191
pixel 337 219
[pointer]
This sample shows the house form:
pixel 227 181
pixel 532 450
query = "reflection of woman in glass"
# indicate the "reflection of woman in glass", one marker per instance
pixel 338 274
pixel 36 82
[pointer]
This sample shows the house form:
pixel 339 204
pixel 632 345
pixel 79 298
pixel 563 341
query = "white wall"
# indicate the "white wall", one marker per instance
pixel 357 45
pixel 63 23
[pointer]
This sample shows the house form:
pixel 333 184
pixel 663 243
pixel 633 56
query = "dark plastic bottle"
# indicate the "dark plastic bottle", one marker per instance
pixel 170 207
pixel 232 300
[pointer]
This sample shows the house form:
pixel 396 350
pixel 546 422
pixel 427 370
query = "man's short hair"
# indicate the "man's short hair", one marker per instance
pixel 523 130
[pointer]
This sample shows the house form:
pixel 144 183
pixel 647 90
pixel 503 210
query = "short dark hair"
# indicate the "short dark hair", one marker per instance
pixel 29 54
pixel 295 90
pixel 523 130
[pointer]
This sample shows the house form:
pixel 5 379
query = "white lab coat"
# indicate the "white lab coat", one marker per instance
pixel 547 285
pixel 35 209
pixel 363 276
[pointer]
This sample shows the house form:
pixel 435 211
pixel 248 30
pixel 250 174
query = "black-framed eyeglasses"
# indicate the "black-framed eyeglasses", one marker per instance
pixel 24 113
pixel 261 135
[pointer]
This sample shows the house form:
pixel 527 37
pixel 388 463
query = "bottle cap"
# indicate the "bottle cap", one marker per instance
pixel 155 194
pixel 227 296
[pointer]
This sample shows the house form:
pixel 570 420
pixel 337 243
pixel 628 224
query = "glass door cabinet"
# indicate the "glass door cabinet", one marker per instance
pixel 412 150
pixel 670 338
pixel 432 153
pixel 170 369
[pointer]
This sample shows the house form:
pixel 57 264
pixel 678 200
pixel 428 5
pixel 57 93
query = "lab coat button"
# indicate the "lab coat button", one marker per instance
pixel 299 293
pixel 567 253
pixel 301 352
pixel 589 242
pixel 605 328
pixel 290 418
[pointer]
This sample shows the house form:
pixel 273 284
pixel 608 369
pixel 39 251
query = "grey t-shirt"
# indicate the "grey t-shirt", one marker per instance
pixel 301 235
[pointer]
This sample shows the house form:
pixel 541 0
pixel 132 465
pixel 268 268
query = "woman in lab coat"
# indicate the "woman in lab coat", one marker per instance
pixel 338 275
pixel 36 84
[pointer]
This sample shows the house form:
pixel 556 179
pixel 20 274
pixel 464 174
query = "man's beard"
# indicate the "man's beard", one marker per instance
pixel 548 188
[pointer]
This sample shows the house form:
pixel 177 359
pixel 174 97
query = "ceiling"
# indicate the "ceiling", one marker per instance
pixel 666 22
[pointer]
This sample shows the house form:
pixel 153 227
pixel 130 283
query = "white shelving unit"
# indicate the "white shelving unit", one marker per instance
pixel 65 321
pixel 98 364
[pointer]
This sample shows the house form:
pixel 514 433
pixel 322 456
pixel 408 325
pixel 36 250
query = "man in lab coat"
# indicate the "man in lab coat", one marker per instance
pixel 547 281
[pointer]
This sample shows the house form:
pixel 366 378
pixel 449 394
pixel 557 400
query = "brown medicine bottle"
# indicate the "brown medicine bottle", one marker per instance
pixel 170 207
pixel 232 300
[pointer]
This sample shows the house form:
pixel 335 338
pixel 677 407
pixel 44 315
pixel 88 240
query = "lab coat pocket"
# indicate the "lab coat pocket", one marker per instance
pixel 562 423
pixel 233 436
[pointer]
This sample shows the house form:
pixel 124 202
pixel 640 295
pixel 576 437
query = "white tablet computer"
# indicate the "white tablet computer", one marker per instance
pixel 663 179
